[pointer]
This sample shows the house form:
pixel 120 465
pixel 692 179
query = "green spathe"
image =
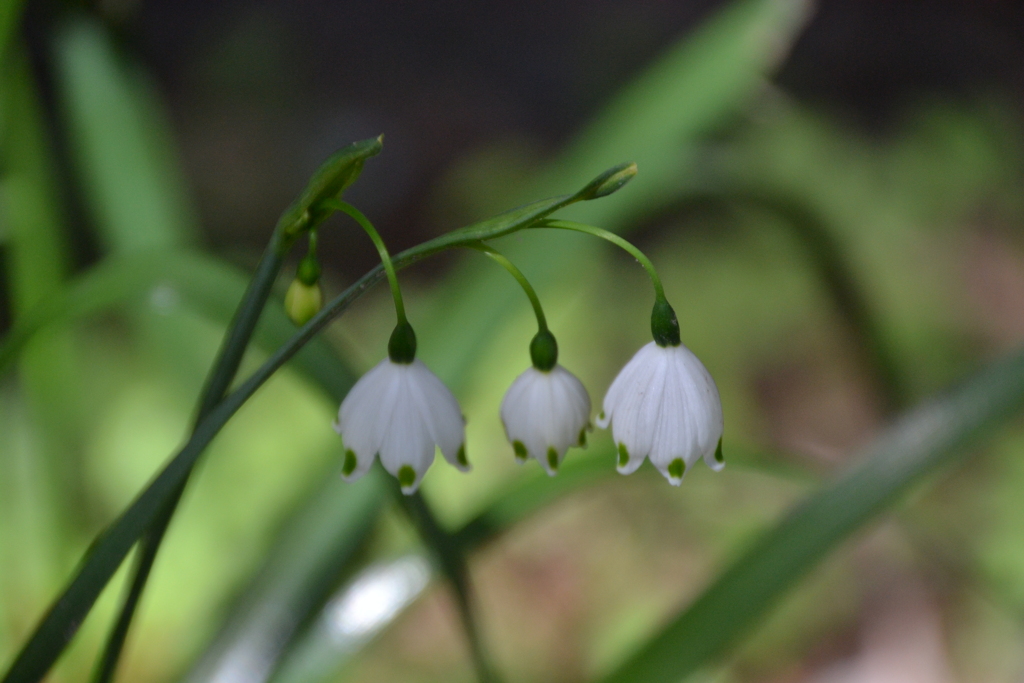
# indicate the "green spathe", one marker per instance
pixel 329 181
pixel 610 181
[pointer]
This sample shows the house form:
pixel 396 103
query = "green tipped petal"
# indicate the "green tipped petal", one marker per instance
pixel 520 450
pixel 349 465
pixel 406 476
pixel 677 468
pixel 553 459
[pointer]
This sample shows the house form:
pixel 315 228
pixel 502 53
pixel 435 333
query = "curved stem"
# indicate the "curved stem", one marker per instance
pixel 385 257
pixel 659 291
pixel 531 294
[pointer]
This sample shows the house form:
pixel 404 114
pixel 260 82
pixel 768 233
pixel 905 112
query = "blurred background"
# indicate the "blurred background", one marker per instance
pixel 831 193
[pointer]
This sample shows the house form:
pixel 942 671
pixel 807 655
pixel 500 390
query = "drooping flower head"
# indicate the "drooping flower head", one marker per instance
pixel 400 411
pixel 547 409
pixel 664 405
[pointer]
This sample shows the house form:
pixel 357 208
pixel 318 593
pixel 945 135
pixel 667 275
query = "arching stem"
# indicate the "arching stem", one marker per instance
pixel 385 257
pixel 531 294
pixel 659 291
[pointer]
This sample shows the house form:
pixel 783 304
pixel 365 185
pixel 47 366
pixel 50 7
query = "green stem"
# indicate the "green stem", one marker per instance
pixel 385 257
pixel 451 556
pixel 531 294
pixel 659 291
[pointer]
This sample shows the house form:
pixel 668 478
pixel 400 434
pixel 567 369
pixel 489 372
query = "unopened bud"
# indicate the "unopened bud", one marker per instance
pixel 608 182
pixel 303 301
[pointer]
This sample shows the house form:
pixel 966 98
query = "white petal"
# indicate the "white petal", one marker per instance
pixel 673 430
pixel 545 412
pixel 363 415
pixel 613 398
pixel 399 412
pixel 407 443
pixel 635 416
pixel 441 413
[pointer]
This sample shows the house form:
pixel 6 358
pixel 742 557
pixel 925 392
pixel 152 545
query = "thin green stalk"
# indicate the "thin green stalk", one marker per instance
pixel 385 257
pixel 531 294
pixel 451 557
pixel 659 291
pixel 110 548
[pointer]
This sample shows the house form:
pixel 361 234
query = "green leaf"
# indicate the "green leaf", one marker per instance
pixel 918 444
pixel 657 121
pixel 691 90
pixel 35 268
pixel 122 150
pixel 10 17
pixel 302 570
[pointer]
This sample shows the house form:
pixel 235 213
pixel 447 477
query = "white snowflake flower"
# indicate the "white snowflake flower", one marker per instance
pixel 544 413
pixel 664 405
pixel 400 411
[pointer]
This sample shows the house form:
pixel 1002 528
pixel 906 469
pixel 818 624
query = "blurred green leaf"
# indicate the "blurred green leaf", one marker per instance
pixel 302 570
pixel 659 118
pixel 202 283
pixel 10 17
pixel 657 121
pixel 124 156
pixel 35 268
pixel 113 544
pixel 924 440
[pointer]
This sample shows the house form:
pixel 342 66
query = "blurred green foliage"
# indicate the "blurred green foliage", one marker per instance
pixel 573 576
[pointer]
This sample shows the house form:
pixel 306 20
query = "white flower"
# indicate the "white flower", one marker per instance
pixel 664 405
pixel 400 411
pixel 545 412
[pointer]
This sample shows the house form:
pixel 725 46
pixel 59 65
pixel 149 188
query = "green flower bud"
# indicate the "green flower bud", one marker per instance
pixel 302 301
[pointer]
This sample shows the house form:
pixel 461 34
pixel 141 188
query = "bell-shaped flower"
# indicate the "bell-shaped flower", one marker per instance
pixel 664 405
pixel 400 411
pixel 544 413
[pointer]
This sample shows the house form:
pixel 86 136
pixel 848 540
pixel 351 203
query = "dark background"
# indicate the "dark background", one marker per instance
pixel 260 92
